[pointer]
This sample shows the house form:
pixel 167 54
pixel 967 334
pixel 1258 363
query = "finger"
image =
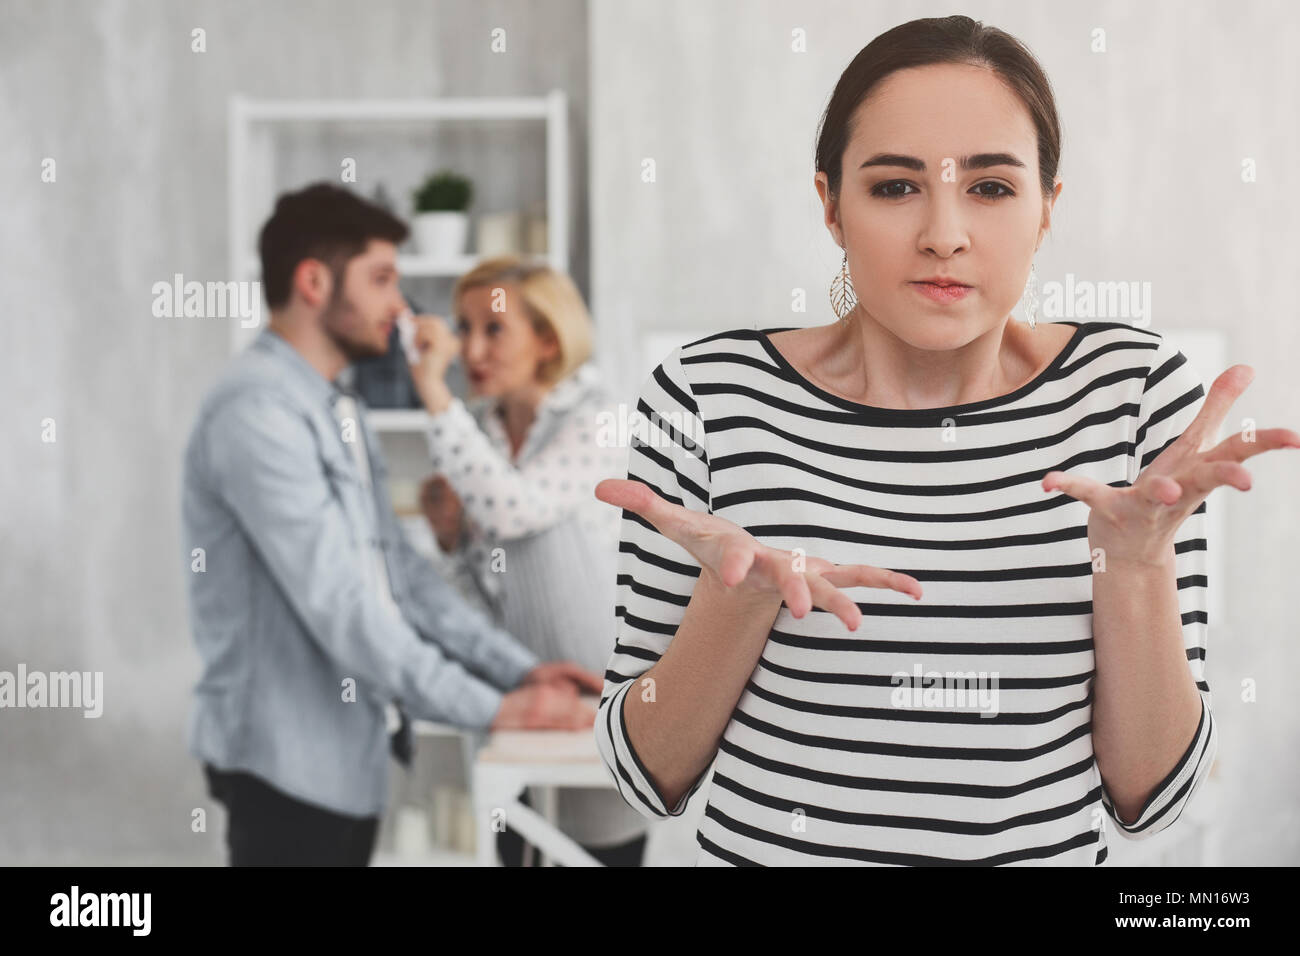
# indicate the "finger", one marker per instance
pixel 584 717
pixel 862 575
pixel 1157 490
pixel 1208 475
pixel 425 332
pixel 830 598
pixel 582 678
pixel 793 585
pixel 1226 389
pixel 1236 448
pixel 736 562
pixel 1090 492
pixel 671 520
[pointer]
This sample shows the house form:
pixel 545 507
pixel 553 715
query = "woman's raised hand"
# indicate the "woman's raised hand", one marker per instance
pixel 739 560
pixel 1139 523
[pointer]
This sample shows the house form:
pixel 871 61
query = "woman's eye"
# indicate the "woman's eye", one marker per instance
pixel 1006 190
pixel 463 328
pixel 884 190
pixel 890 190
pixel 493 328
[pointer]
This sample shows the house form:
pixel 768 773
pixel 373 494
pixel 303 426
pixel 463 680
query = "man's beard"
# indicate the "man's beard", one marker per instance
pixel 334 321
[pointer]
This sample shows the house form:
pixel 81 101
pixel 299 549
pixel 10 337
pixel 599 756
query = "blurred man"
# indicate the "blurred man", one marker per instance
pixel 314 617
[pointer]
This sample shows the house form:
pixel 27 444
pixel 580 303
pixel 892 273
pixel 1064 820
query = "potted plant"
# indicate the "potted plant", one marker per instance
pixel 441 223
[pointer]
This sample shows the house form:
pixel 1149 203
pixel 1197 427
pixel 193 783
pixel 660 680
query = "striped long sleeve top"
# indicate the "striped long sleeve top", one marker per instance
pixel 857 748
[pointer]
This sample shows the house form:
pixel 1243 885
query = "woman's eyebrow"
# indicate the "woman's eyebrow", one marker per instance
pixel 978 161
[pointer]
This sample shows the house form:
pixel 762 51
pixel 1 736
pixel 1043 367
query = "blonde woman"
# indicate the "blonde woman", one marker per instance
pixel 513 495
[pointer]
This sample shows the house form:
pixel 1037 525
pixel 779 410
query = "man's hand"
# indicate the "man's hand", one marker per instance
pixel 566 676
pixel 544 707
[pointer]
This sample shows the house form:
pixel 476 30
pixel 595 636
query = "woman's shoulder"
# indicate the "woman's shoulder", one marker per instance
pixel 1153 350
pixel 718 356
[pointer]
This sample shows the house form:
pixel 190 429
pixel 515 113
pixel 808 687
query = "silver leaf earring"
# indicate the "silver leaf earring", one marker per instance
pixel 1030 297
pixel 843 297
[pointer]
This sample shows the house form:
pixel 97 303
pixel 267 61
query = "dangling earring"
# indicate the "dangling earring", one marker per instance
pixel 843 297
pixel 1030 297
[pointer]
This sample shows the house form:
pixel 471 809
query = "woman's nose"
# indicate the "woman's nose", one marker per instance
pixel 472 346
pixel 943 232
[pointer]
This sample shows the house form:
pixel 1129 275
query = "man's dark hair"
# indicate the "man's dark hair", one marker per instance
pixel 321 221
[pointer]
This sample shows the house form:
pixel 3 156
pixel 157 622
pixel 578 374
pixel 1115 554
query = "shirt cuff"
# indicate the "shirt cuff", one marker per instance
pixel 630 764
pixel 1177 787
pixel 478 706
pixel 447 425
pixel 509 661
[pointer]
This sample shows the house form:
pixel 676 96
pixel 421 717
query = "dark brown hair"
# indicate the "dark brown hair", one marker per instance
pixel 955 39
pixel 321 221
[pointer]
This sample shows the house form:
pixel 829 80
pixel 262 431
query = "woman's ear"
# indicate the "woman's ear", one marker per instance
pixel 830 208
pixel 549 357
pixel 1049 203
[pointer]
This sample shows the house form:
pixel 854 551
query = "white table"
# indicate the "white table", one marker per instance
pixel 542 761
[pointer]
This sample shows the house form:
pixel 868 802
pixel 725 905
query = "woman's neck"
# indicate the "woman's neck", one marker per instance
pixel 518 410
pixel 898 375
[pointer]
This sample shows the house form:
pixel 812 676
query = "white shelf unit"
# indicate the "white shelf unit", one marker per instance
pixel 251 189
pixel 398 419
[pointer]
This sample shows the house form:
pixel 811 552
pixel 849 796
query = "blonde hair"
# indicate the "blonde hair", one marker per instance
pixel 553 304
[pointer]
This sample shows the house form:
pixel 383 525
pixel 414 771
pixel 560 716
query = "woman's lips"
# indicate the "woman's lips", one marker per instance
pixel 942 293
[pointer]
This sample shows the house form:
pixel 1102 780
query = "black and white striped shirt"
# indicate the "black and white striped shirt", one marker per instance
pixel 821 761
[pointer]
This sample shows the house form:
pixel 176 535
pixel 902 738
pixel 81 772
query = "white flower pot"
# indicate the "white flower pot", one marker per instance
pixel 441 234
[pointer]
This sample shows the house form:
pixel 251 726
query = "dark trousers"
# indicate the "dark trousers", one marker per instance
pixel 267 827
pixel 510 845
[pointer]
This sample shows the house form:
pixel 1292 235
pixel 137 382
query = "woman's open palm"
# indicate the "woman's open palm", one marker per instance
pixel 1139 522
pixel 739 560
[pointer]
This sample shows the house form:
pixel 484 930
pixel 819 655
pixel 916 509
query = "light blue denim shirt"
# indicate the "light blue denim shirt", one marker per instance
pixel 285 623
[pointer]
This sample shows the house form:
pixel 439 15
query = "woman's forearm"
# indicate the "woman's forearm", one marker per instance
pixel 436 397
pixel 1146 706
pixel 697 683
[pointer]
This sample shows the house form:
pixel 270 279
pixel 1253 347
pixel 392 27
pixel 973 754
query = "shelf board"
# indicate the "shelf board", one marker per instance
pixel 398 419
pixel 417 265
pixel 480 108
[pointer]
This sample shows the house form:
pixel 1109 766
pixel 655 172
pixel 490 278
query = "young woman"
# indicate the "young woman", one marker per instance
pixel 513 493
pixel 1038 492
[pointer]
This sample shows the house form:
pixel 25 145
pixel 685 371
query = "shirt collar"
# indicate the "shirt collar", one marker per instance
pixel 569 392
pixel 577 385
pixel 318 387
